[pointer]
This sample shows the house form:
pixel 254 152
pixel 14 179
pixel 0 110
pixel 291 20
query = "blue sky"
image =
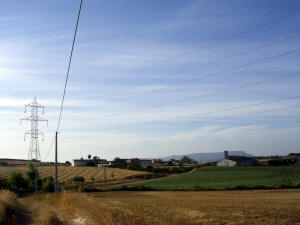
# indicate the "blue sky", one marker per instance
pixel 153 78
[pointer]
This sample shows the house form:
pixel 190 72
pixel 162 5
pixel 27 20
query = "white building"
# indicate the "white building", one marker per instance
pixel 227 162
pixel 81 162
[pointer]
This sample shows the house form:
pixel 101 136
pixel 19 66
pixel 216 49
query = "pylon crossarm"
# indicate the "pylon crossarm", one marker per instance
pixel 41 119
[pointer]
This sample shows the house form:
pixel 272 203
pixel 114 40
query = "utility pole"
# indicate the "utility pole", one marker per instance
pixel 34 132
pixel 104 175
pixel 56 178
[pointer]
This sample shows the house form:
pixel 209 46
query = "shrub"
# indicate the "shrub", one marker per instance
pixel 3 184
pixel 17 183
pixel 78 179
pixel 124 187
pixel 48 184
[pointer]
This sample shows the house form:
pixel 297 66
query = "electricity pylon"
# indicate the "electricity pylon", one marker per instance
pixel 34 118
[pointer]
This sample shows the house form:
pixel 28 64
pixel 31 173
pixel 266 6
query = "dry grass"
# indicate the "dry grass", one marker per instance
pixel 9 208
pixel 90 174
pixel 174 208
pixel 44 214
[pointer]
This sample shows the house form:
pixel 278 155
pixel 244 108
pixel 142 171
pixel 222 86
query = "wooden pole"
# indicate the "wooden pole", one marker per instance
pixel 56 179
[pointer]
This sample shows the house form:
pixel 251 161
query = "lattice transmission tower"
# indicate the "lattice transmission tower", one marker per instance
pixel 34 132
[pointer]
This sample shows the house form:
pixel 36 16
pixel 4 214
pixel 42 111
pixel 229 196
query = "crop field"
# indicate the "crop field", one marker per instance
pixel 223 178
pixel 263 207
pixel 90 174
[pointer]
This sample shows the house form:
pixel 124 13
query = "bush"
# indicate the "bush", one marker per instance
pixel 78 179
pixel 134 166
pixel 48 184
pixel 17 183
pixel 3 184
pixel 149 168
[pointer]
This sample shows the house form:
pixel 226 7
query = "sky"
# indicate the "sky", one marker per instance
pixel 152 78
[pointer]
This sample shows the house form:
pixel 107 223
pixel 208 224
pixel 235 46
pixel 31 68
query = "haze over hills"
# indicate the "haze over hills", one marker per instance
pixel 207 157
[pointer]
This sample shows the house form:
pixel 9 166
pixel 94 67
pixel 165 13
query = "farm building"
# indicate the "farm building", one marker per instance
pixel 243 161
pixel 81 162
pixel 237 161
pixel 142 162
pixel 145 162
pixel 157 161
pixel 285 161
pixel 226 162
pixel 111 163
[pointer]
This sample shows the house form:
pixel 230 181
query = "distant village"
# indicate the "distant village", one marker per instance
pixel 293 159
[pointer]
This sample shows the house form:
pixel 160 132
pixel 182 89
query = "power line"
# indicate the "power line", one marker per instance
pixel 206 64
pixel 206 46
pixel 240 107
pixel 69 66
pixel 252 113
pixel 53 140
pixel 67 77
pixel 202 77
pixel 215 93
pixel 231 36
pixel 160 123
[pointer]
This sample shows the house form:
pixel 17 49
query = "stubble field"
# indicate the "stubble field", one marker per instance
pixel 90 174
pixel 169 207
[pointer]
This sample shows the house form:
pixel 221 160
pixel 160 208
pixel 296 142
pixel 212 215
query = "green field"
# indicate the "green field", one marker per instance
pixel 223 178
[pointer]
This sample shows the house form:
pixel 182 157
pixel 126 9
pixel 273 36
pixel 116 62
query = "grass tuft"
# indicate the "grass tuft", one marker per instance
pixel 10 208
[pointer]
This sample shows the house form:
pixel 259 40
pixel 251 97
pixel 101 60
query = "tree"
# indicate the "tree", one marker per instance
pixel 30 175
pixel 180 165
pixel 68 163
pixel 89 156
pixel 96 159
pixel 186 160
pixel 120 163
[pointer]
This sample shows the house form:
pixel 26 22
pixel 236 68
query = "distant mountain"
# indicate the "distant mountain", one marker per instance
pixel 207 157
